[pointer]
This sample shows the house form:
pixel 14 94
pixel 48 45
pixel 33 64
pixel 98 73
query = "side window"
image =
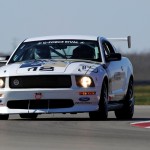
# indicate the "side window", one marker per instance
pixel 108 48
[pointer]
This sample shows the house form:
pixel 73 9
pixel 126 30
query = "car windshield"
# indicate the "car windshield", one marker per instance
pixel 57 49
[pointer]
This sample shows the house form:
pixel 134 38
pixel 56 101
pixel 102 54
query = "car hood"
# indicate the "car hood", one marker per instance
pixel 46 67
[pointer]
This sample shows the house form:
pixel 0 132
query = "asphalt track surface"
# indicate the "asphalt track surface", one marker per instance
pixel 75 132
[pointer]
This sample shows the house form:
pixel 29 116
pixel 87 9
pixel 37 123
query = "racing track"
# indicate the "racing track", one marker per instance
pixel 75 132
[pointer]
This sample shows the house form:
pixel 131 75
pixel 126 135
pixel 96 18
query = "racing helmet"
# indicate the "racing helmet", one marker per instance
pixel 42 52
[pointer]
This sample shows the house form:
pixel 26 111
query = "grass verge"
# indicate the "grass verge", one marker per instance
pixel 142 95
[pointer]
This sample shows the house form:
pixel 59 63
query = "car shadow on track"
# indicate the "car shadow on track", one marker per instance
pixel 80 119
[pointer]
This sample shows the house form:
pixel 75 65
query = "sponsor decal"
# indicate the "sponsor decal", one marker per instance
pixel 84 99
pixel 117 76
pixel 88 68
pixel 84 68
pixel 42 65
pixel 86 102
pixel 36 63
pixel 60 42
pixel 56 64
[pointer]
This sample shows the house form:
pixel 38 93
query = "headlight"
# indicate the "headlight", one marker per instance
pixel 2 82
pixel 84 81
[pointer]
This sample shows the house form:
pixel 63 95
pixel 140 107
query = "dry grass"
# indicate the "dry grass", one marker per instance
pixel 142 95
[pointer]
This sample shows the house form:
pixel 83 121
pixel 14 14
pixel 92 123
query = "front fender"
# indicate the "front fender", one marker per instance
pixel 98 75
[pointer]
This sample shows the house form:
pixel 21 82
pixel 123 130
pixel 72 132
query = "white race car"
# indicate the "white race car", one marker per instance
pixel 67 74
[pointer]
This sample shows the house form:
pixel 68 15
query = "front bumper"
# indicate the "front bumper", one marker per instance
pixel 47 98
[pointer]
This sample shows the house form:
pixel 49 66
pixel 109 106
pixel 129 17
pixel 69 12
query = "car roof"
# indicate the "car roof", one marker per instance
pixel 62 37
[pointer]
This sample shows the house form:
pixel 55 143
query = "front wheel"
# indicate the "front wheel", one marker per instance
pixel 28 116
pixel 102 113
pixel 128 109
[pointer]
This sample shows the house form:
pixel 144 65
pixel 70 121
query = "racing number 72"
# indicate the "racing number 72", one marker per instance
pixel 41 68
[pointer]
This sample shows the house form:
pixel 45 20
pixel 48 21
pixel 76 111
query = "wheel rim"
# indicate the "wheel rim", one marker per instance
pixel 102 113
pixel 105 94
pixel 104 102
pixel 130 90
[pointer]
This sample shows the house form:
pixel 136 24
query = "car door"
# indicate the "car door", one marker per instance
pixel 115 71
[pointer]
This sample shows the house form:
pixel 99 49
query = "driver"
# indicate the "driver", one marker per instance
pixel 42 52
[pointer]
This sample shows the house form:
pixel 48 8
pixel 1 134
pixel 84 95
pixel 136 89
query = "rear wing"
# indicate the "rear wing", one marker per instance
pixel 128 39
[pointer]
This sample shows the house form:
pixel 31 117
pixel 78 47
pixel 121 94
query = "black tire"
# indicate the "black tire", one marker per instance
pixel 102 113
pixel 128 109
pixel 4 117
pixel 28 116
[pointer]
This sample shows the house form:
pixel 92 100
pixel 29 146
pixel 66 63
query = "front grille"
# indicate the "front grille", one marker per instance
pixel 51 81
pixel 40 104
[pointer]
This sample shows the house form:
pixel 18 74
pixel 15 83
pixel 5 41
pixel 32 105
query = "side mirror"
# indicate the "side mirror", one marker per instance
pixel 7 57
pixel 3 60
pixel 113 57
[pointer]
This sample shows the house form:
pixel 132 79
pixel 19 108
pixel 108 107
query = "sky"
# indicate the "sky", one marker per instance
pixel 21 19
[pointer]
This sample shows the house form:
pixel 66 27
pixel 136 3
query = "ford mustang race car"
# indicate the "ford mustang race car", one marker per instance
pixel 67 74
